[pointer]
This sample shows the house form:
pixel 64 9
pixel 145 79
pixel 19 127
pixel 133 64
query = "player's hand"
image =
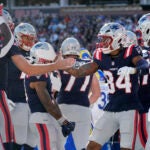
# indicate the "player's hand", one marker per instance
pixel 67 128
pixel 11 104
pixel 1 9
pixel 64 63
pixel 126 70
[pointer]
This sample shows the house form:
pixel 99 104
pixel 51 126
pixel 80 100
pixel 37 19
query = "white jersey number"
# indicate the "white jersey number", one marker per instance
pixel 122 82
pixel 72 81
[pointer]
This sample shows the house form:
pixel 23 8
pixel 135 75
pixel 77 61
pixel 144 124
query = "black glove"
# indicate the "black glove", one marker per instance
pixel 67 128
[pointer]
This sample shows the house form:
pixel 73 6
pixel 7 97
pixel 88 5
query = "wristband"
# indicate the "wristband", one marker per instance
pixel 61 120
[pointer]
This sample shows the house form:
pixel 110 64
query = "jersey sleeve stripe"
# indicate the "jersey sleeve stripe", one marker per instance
pixel 98 54
pixel 128 51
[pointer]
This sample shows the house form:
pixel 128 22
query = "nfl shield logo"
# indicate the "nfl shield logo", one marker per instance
pixel 112 63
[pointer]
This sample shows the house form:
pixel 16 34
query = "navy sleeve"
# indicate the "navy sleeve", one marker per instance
pixel 14 50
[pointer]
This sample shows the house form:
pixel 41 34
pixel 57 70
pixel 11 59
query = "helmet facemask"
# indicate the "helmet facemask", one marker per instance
pixel 26 42
pixel 112 36
pixel 105 43
pixel 25 36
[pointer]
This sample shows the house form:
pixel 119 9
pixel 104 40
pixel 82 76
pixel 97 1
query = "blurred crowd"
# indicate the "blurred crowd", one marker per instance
pixel 54 28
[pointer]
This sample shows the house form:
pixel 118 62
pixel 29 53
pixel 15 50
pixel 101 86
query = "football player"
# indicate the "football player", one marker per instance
pixel 139 143
pixel 112 58
pixel 144 91
pixel 25 38
pixel 9 51
pixel 73 98
pixel 46 119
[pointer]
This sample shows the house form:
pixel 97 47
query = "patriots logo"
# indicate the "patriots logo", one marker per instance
pixel 42 46
pixel 22 27
pixel 114 27
pixel 38 45
pixel 144 18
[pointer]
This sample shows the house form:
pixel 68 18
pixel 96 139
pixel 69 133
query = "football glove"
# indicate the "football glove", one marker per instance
pixel 126 70
pixel 67 128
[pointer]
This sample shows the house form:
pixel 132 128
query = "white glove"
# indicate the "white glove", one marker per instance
pixel 126 70
pixel 11 104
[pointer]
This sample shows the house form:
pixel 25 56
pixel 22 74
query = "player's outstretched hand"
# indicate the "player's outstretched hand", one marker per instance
pixel 126 70
pixel 64 63
pixel 1 9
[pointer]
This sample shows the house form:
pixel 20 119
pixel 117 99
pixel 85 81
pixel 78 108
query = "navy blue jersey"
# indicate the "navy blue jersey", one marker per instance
pixel 123 90
pixel 4 67
pixel 74 90
pixel 144 90
pixel 15 89
pixel 32 97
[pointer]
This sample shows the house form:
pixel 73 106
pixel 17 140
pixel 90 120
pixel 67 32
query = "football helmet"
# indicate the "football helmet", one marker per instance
pixel 25 36
pixel 111 37
pixel 144 27
pixel 8 19
pixel 85 54
pixel 100 76
pixel 42 52
pixel 131 39
pixel 70 46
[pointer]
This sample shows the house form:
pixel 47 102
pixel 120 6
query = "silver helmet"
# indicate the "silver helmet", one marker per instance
pixel 70 46
pixel 131 39
pixel 144 27
pixel 111 35
pixel 25 36
pixel 42 52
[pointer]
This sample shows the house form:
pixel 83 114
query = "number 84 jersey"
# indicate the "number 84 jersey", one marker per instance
pixel 123 90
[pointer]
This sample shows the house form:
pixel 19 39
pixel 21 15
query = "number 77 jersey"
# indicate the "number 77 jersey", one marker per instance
pixel 123 90
pixel 74 90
